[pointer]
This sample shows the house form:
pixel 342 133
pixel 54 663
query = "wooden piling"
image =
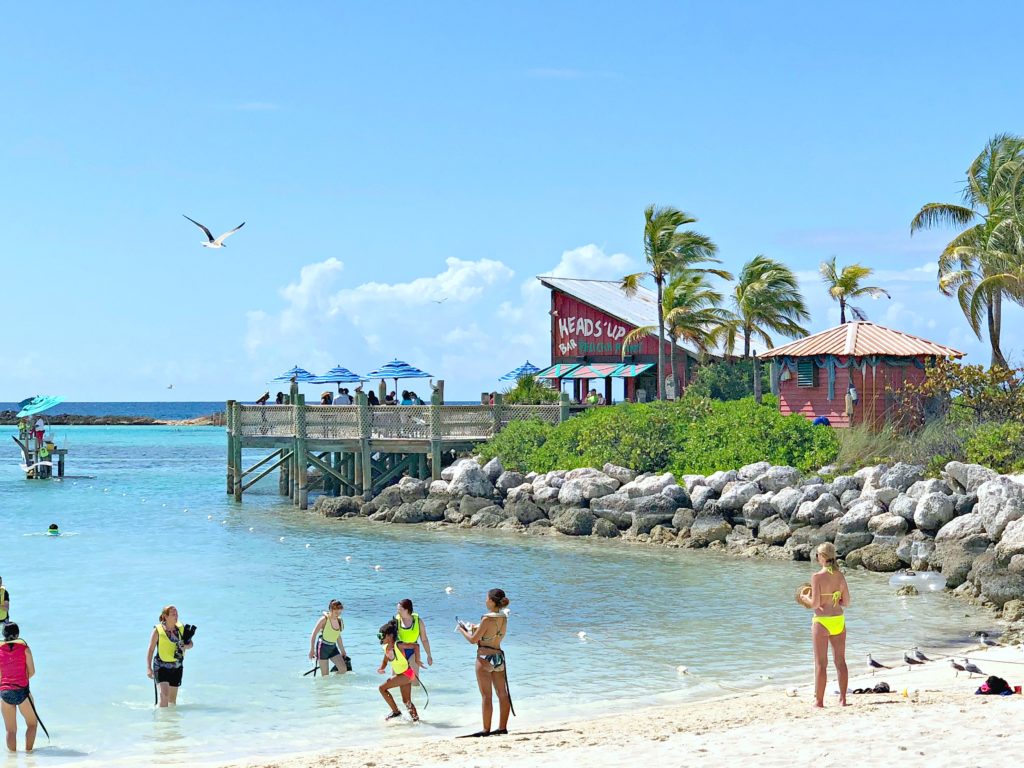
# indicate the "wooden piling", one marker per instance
pixel 302 494
pixel 229 414
pixel 436 434
pixel 365 433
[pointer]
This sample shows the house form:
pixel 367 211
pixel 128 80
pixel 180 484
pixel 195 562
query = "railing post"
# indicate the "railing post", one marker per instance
pixel 236 450
pixel 563 407
pixel 229 408
pixel 365 432
pixel 302 496
pixel 283 481
pixel 436 435
pixel 496 414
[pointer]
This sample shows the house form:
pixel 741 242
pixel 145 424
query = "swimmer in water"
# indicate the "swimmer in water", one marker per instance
pixel 53 530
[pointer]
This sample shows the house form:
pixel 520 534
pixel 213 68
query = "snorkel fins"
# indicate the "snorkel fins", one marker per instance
pixel 187 633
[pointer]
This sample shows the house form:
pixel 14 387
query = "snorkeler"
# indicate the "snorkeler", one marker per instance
pixel 53 530
pixel 170 640
pixel 410 629
pixel 325 644
pixel 403 675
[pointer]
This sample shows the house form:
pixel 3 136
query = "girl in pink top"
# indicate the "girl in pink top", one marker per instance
pixel 16 667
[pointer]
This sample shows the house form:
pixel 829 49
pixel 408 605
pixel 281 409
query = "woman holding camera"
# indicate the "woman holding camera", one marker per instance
pixel 170 640
pixel 490 661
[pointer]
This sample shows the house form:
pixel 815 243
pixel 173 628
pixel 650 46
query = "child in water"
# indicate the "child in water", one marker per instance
pixel 53 530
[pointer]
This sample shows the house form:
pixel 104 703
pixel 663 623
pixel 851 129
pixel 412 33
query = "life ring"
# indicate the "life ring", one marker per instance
pixel 923 581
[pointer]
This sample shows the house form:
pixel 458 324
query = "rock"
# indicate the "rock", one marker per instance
pixel 1000 502
pixel 1016 564
pixel 383 515
pixel 774 531
pixel 438 488
pixel 470 505
pixel 689 482
pixel 719 480
pixel 700 496
pixel 849 498
pixel 887 525
pixel 434 509
pixel 921 487
pixel 786 502
pixel 933 511
pixel 847 542
pixel 683 519
pixel 844 484
pixel 914 549
pixel 545 496
pixel 884 495
pixel 522 492
pixel 961 528
pixel 1012 542
pixel 856 520
pixel 489 517
pixel 956 559
pixel 776 478
pixel 870 477
pixel 449 472
pixel 455 515
pixel 389 497
pixel 998 585
pixel 901 476
pixel 412 489
pixel 525 512
pixel 661 535
pixel 579 490
pixel 904 506
pixel 649 511
pixel 967 478
pixel 735 495
pixel 1013 610
pixel 575 522
pixel 511 524
pixel 338 506
pixel 469 480
pixel 907 590
pixel 807 482
pixel 677 494
pixel 621 474
pixel 739 537
pixel 964 503
pixel 875 557
pixel 812 536
pixel 616 508
pixel 649 485
pixel 757 509
pixel 821 510
pixel 604 529
pixel 531 476
pixel 812 492
pixel 508 480
pixel 707 528
pixel 493 469
pixel 751 471
pixel 409 512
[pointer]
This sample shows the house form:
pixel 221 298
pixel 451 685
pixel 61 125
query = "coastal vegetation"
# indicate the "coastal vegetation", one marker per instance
pixel 529 391
pixel 693 435
pixel 844 285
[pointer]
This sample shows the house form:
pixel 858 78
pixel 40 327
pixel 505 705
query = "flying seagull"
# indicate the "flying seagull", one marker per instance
pixel 441 301
pixel 215 242
pixel 170 386
pixel 909 659
pixel 958 667
pixel 873 665
pixel 972 668
pixel 920 656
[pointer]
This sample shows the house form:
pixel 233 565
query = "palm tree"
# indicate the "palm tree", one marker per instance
pixel 692 313
pixel 989 241
pixel 668 251
pixel 844 285
pixel 766 298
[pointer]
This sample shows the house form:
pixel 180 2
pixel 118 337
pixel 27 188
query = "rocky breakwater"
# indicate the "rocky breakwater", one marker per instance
pixel 968 524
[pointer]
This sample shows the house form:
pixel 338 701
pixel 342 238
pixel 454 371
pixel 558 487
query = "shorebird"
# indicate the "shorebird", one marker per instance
pixel 213 242
pixel 909 659
pixel 873 665
pixel 985 639
pixel 972 668
pixel 958 667
pixel 919 655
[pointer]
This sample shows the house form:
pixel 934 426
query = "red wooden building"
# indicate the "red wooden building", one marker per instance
pixel 589 321
pixel 844 373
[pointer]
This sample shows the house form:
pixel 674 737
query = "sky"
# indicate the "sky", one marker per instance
pixel 404 171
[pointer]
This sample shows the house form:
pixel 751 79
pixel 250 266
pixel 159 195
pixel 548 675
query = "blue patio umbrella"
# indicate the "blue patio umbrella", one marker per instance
pixel 526 369
pixel 38 404
pixel 300 374
pixel 338 375
pixel 398 369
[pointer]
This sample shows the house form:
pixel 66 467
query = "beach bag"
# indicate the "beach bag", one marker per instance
pixel 994 686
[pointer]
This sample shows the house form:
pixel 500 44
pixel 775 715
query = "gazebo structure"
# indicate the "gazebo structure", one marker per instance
pixel 590 320
pixel 848 372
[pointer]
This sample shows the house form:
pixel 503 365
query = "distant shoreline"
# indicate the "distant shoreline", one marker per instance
pixel 9 418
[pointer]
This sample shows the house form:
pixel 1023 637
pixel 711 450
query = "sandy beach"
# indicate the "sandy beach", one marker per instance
pixel 938 721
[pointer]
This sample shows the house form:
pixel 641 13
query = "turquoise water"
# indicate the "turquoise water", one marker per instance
pixel 154 526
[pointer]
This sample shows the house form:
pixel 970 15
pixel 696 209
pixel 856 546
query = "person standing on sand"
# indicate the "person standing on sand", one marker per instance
pixel 830 595
pixel 490 661
pixel 16 667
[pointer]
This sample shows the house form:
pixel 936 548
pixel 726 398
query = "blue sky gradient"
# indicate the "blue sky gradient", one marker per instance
pixel 386 160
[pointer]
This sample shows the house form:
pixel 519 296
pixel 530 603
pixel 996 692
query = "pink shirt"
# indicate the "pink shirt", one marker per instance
pixel 13 668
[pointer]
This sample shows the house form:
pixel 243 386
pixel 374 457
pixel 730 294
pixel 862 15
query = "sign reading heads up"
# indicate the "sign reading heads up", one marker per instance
pixel 581 330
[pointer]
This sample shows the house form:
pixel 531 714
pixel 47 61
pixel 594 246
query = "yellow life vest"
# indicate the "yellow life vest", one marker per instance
pixel 3 599
pixel 165 647
pixel 399 664
pixel 412 634
pixel 329 633
pixel 44 452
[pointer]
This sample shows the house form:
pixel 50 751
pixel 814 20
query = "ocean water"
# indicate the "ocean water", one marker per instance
pixel 153 526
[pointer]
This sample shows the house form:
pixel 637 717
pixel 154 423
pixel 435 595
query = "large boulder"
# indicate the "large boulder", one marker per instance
pixel 751 471
pixel 707 528
pixel 776 478
pixel 649 511
pixel 719 480
pixel 469 480
pixel 508 480
pixel 683 519
pixel 955 559
pixel 848 498
pixel 523 492
pixel 931 485
pixel 1012 542
pixel 449 472
pixel 677 494
pixel 412 489
pixel 493 469
pixel 774 531
pixel 967 478
pixel 1000 502
pixel 689 482
pixel 338 506
pixel 960 528
pixel 438 488
pixel 617 508
pixel 844 484
pixel 901 476
pixel 701 495
pixel 649 485
pixel 870 477
pixel 905 506
pixel 875 557
pixel 433 509
pixel 525 512
pixel 786 502
pixel 409 512
pixel 996 583
pixel 470 505
pixel 546 495
pixel 622 474
pixel 887 525
pixel 847 542
pixel 821 510
pixel 915 549
pixel 735 495
pixel 883 495
pixel 933 511
pixel 575 522
pixel 757 509
pixel 857 518
pixel 489 517
pixel 740 537
pixel 604 529
pixel 389 497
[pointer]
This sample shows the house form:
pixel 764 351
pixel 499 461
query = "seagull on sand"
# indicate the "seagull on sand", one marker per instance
pixel 920 656
pixel 873 665
pixel 972 668
pixel 958 667
pixel 985 639
pixel 909 660
pixel 213 242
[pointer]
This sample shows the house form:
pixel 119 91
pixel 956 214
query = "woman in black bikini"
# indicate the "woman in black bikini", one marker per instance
pixel 490 661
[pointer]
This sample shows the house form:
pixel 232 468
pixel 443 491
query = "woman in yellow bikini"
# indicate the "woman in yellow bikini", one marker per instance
pixel 829 596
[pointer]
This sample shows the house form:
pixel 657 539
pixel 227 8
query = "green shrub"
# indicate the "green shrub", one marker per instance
pixel 529 391
pixel 517 444
pixel 728 380
pixel 997 446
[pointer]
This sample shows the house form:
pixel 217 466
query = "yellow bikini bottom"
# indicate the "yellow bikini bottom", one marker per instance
pixel 834 624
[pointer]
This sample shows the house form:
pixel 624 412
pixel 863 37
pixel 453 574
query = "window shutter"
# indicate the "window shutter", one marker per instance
pixel 806 373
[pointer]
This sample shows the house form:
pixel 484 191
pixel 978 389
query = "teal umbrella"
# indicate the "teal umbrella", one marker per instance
pixel 40 403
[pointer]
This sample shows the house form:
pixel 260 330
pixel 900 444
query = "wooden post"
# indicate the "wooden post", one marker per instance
pixel 302 495
pixel 60 464
pixel 365 432
pixel 236 457
pixel 758 396
pixel 283 481
pixel 228 412
pixel 563 407
pixel 436 434
pixel 496 414
pixel 421 466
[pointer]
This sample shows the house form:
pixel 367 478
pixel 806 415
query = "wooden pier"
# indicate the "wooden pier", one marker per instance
pixel 360 449
pixel 39 459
